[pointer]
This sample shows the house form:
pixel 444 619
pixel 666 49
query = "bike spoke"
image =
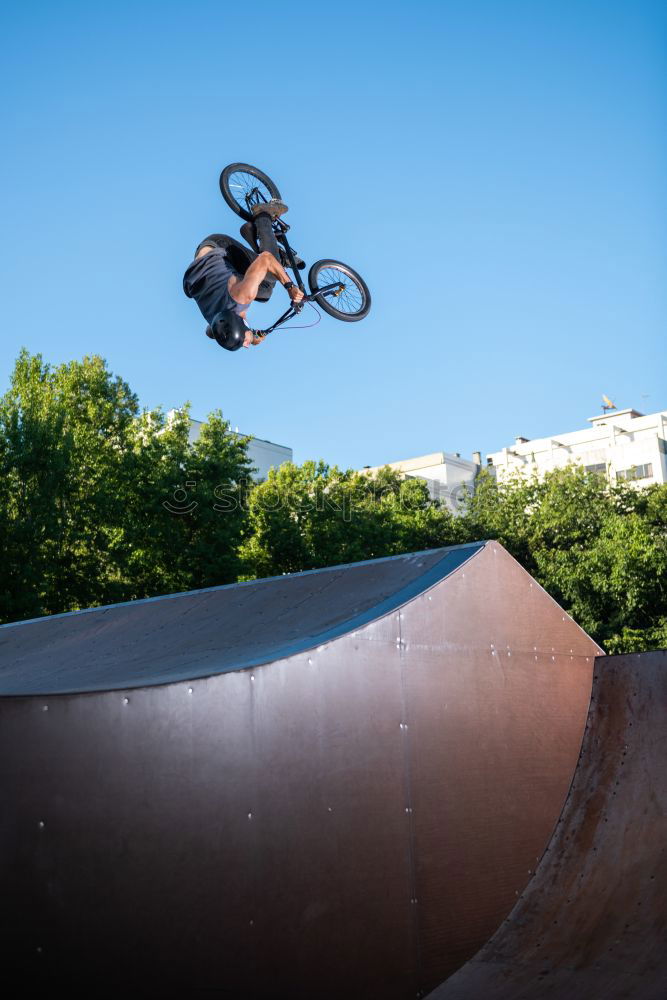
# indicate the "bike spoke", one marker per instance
pixel 241 184
pixel 350 299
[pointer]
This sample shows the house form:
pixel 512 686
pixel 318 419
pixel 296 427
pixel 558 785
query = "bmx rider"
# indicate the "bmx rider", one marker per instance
pixel 223 294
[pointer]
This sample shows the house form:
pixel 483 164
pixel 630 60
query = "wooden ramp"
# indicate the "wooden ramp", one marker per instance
pixel 325 785
pixel 592 924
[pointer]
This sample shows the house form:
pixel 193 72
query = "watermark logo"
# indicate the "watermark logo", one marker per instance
pixel 232 497
pixel 179 503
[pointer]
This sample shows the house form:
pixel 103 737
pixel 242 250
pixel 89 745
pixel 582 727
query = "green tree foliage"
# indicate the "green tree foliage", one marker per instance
pixel 61 431
pixel 87 486
pixel 314 515
pixel 184 514
pixel 599 550
pixel 100 502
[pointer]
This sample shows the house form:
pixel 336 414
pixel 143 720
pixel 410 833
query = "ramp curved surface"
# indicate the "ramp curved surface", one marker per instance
pixel 203 632
pixel 592 924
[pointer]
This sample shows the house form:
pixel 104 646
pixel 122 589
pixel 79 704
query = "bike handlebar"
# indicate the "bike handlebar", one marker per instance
pixel 294 310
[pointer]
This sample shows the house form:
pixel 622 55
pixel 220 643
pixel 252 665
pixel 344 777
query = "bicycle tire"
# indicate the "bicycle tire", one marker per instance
pixel 355 301
pixel 236 198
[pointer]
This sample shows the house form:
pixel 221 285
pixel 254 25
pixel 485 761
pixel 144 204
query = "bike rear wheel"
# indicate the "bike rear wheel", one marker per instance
pixel 243 186
pixel 350 300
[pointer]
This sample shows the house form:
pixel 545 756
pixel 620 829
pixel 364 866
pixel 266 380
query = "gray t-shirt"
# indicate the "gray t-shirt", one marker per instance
pixel 206 282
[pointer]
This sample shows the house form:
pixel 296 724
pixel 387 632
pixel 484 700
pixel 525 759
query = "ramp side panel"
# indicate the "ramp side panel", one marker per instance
pixel 246 833
pixel 591 925
pixel 495 743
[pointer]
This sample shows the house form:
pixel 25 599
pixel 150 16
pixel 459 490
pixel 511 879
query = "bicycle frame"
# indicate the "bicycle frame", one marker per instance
pixel 296 307
pixel 280 229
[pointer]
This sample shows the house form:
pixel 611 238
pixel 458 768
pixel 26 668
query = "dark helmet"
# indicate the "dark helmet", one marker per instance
pixel 228 328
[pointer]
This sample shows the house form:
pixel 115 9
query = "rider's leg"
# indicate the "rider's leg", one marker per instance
pixel 266 238
pixel 263 238
pixel 248 233
pixel 259 233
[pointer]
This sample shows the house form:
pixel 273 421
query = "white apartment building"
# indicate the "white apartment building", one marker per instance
pixel 621 444
pixel 264 455
pixel 447 475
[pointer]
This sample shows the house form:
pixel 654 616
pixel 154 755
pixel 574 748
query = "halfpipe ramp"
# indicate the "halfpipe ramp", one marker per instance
pixel 592 924
pixel 330 784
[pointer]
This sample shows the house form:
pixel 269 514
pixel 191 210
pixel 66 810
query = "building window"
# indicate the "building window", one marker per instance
pixel 636 472
pixel 600 468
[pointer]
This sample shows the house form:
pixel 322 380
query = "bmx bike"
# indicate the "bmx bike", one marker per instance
pixel 333 286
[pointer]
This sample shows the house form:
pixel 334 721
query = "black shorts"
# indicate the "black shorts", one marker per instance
pixel 239 258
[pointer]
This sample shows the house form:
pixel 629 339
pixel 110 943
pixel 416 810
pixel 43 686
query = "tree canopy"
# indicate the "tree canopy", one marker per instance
pixel 600 550
pixel 91 493
pixel 313 515
pixel 103 502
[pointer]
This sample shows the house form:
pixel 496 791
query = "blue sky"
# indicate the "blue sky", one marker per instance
pixel 496 171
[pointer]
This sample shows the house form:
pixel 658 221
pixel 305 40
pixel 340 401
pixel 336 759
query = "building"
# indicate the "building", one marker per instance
pixel 620 444
pixel 448 476
pixel 264 455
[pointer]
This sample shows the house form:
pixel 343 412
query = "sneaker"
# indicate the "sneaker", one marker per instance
pixel 248 233
pixel 275 208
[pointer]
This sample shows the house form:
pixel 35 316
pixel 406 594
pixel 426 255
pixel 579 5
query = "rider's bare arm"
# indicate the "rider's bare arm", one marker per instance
pixel 245 289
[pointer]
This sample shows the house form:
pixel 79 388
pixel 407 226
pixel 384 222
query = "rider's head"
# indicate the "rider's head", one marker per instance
pixel 229 329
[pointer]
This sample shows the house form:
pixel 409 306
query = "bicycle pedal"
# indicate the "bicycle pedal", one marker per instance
pixel 284 260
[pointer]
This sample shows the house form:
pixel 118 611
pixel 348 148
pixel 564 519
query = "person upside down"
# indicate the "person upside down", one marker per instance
pixel 223 294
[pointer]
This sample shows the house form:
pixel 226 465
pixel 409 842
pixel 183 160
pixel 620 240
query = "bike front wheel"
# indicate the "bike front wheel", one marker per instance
pixel 339 290
pixel 243 186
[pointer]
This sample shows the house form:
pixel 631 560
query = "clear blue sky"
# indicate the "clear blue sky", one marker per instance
pixel 497 172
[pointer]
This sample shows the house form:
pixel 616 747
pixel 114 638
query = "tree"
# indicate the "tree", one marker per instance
pixel 599 550
pixel 87 488
pixel 100 502
pixel 314 515
pixel 62 432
